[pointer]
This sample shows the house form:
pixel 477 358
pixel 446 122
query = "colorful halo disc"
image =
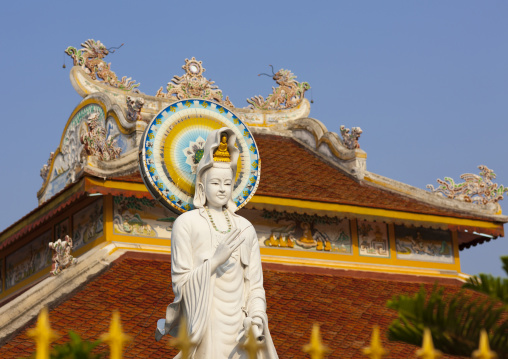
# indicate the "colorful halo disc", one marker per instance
pixel 172 146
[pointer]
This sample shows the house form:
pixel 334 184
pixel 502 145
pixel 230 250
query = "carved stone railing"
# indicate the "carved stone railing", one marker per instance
pixel 43 336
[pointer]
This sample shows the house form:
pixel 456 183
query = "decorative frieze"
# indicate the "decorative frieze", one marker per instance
pixel 95 141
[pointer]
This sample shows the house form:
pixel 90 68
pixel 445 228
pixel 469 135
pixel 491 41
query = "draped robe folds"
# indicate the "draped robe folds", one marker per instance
pixel 212 302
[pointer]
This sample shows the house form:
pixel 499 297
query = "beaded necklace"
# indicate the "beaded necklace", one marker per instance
pixel 213 223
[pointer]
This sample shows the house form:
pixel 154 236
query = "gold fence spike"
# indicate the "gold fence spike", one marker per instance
pixel 427 351
pixel 116 338
pixel 315 348
pixel 183 341
pixel 375 350
pixel 43 335
pixel 252 345
pixel 484 351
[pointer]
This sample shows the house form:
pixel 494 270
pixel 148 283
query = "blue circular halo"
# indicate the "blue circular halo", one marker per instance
pixel 172 146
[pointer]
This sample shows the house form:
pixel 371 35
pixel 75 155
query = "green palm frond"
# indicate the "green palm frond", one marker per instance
pixel 455 321
pixel 494 287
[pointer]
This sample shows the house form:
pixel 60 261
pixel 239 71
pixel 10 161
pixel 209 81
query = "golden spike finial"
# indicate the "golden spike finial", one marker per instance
pixel 315 348
pixel 375 350
pixel 183 341
pixel 427 351
pixel 484 351
pixel 116 338
pixel 43 335
pixel 252 345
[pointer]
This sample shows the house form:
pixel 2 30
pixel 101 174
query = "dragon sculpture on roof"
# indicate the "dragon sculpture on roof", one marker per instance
pixel 289 94
pixel 478 189
pixel 90 59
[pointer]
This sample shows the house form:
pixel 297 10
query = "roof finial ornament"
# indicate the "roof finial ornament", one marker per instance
pixel 90 59
pixel 193 84
pixel 289 94
pixel 350 138
pixel 477 189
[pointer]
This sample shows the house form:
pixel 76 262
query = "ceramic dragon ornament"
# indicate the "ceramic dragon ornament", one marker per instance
pixel 193 84
pixel 289 94
pixel 134 107
pixel 350 138
pixel 90 59
pixel 477 189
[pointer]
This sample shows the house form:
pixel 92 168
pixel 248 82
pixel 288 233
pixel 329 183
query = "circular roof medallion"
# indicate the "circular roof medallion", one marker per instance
pixel 172 147
pixel 194 69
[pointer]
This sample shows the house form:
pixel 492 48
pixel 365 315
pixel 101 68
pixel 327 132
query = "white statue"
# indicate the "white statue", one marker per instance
pixel 216 264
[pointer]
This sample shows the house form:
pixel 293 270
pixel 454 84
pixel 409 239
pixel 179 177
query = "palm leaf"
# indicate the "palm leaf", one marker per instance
pixel 455 321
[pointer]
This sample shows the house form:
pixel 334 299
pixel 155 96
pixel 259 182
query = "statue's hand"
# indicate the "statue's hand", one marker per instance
pixel 225 249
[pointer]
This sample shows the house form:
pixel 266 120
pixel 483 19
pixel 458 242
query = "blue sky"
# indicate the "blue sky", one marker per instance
pixel 426 81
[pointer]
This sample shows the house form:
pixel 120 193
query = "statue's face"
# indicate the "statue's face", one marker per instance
pixel 218 186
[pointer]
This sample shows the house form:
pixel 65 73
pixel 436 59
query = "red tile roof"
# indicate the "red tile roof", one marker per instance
pixel 290 170
pixel 346 308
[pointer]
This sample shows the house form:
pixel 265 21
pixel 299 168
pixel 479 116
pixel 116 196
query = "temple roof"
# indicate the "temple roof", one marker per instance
pixel 139 286
pixel 290 170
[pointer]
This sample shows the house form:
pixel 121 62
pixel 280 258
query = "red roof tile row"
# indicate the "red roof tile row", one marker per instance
pixel 346 308
pixel 290 170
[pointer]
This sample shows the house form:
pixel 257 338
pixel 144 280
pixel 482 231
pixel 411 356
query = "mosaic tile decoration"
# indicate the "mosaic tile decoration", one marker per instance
pixel 172 146
pixel 373 239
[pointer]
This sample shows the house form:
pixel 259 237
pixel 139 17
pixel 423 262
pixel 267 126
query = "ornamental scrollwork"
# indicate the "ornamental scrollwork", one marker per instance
pixel 350 138
pixel 90 59
pixel 62 254
pixel 477 189
pixel 95 141
pixel 289 94
pixel 193 84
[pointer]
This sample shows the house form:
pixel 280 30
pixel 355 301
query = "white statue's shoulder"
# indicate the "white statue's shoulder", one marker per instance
pixel 187 220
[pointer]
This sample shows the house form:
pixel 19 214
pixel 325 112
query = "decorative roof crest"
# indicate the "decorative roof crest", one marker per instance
pixel 350 139
pixel 193 84
pixel 477 189
pixel 289 94
pixel 90 59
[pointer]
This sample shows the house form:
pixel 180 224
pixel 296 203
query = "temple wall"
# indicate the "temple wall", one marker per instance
pixel 339 241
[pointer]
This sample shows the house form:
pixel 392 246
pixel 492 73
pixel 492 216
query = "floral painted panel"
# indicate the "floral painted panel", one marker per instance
pixel 373 239
pixel 303 232
pixel 62 229
pixel 424 244
pixel 28 260
pixel 142 217
pixel 88 224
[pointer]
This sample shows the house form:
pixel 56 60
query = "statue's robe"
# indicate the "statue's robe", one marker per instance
pixel 215 304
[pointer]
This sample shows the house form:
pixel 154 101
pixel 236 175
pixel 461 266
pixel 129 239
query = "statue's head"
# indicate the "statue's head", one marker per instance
pixel 216 172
